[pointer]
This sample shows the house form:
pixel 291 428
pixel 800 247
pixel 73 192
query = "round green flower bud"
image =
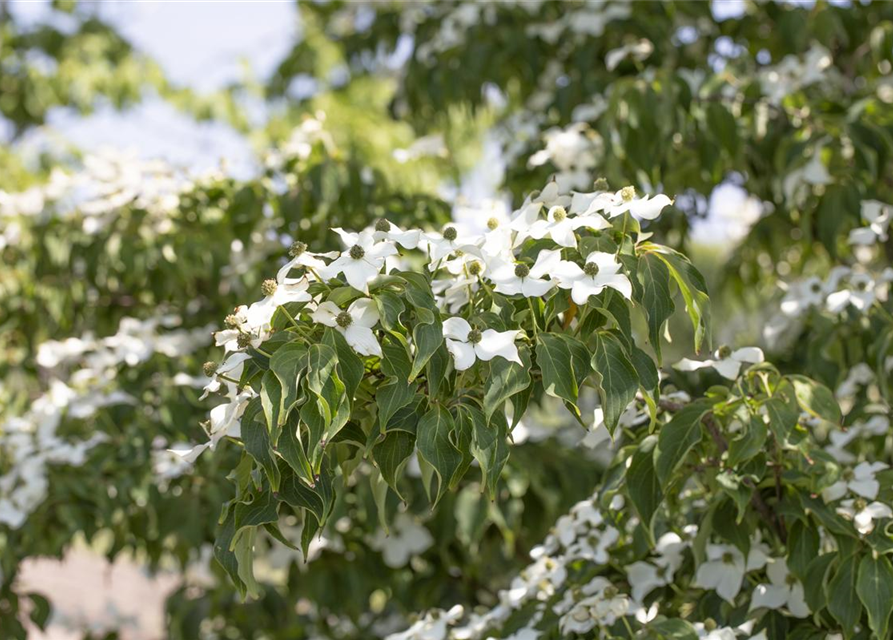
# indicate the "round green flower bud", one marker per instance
pixel 709 624
pixel 724 352
pixel 610 592
pixel 210 368
pixel 559 214
pixel 357 252
pixel 628 193
pixel 474 336
pixel 244 340
pixel 382 225
pixel 590 269
pixel 450 234
pixel 522 270
pixel 268 287
pixel 344 319
pixel 492 224
pixel 475 268
pixel 601 185
pixel 232 321
pixel 296 249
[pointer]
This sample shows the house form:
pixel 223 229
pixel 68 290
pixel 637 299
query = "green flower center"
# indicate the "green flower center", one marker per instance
pixel 559 214
pixel 474 336
pixel 450 234
pixel 343 320
pixel 628 193
pixel 210 368
pixel 600 185
pixel 590 269
pixel 474 268
pixel 492 224
pixel 243 341
pixel 231 320
pixel 296 249
pixel 383 225
pixel 357 252
pixel 268 287
pixel 522 270
pixel 724 352
pixel 728 558
pixel 790 580
pixel 610 592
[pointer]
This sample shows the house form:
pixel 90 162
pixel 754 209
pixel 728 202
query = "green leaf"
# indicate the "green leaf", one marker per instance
pixel 676 439
pixel 554 360
pixel 395 361
pixel 783 417
pixel 390 397
pixel 816 399
pixel 350 365
pixel 815 580
pixel 262 510
pixel 875 588
pixel 642 484
pixel 749 443
pixel 692 287
pixel 318 499
pixel 672 629
pixel 287 363
pixel 243 549
pixel 427 339
pixel 257 443
pixel 40 610
pixel 843 602
pixel 488 446
pixel 618 382
pixel 436 447
pixel 271 400
pixel 505 380
pixel 803 547
pixel 320 362
pixel 224 554
pixel 390 306
pixel 391 456
pixel 291 449
pixel 657 299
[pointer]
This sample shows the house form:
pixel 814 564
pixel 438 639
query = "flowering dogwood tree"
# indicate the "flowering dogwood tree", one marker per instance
pixel 520 421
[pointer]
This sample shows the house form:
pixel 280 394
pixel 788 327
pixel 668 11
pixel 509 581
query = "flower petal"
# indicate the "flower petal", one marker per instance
pixel 456 328
pixel 498 343
pixel 462 352
pixel 326 313
pixel 364 313
pixel 363 340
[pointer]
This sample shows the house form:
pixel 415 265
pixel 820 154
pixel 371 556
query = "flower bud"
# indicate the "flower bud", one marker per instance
pixel 210 368
pixel 559 214
pixel 244 340
pixel 475 268
pixel 600 185
pixel 450 234
pixel 474 336
pixel 382 225
pixel 357 252
pixel 231 321
pixel 724 352
pixel 590 269
pixel 628 193
pixel 522 270
pixel 492 224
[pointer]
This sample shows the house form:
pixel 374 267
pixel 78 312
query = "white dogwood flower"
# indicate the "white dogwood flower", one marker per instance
pixel 860 294
pixel 259 314
pixel 514 279
pixel 599 271
pixel 613 205
pixel 859 480
pixel 440 245
pixel 727 363
pixel 724 569
pixel 560 227
pixel 878 216
pixel 863 514
pixel 362 261
pixel 644 576
pixel 784 590
pixel 303 258
pixel 386 230
pixel 355 324
pixel 467 345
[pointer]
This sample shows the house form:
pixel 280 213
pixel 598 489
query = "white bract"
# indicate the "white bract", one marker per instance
pixel 878 216
pixel 860 481
pixel 784 590
pixel 724 569
pixel 355 324
pixel 515 279
pixel 467 345
pixel 863 514
pixel 727 363
pixel 560 227
pixel 362 261
pixel 625 200
pixel 600 270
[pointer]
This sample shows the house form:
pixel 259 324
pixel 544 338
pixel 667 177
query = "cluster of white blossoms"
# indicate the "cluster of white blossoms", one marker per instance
pixel 793 74
pixel 82 379
pixel 96 193
pixel 462 262
pixel 575 151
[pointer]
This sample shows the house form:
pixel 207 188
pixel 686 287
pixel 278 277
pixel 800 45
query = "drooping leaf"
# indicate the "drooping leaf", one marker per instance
pixel 676 439
pixel 618 381
pixel 436 447
pixel 642 484
pixel 875 588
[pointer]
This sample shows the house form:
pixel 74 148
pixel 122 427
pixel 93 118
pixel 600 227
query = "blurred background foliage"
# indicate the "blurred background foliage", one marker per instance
pixel 769 123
